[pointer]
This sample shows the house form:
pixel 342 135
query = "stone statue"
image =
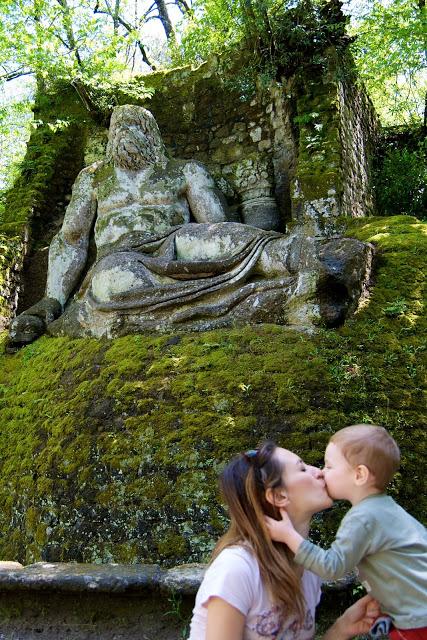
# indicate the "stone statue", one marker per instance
pixel 168 255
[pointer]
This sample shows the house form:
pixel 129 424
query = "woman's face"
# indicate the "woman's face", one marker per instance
pixel 303 485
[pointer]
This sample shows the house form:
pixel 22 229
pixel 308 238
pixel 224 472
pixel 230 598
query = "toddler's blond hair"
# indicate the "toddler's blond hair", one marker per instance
pixel 372 446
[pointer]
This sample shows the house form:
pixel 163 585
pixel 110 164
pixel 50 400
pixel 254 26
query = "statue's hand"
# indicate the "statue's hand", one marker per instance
pixel 47 309
pixel 32 323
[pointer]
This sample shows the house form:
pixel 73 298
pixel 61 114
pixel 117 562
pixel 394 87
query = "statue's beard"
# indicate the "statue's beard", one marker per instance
pixel 136 152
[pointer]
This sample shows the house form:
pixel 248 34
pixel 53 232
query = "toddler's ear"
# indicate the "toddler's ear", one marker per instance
pixel 277 497
pixel 362 475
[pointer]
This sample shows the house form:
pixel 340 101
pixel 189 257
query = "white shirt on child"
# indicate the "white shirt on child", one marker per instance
pixel 235 577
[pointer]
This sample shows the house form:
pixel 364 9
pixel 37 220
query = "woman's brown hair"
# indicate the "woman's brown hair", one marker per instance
pixel 243 484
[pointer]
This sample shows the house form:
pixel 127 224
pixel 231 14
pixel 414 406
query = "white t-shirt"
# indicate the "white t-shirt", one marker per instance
pixel 235 577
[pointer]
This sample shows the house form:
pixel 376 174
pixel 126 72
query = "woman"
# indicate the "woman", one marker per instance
pixel 253 590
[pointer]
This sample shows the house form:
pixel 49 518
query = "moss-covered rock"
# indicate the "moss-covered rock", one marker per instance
pixel 111 449
pixel 53 159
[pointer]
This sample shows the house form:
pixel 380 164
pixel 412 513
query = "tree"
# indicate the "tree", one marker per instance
pixel 64 38
pixel 58 40
pixel 390 53
pixel 275 35
pixel 90 45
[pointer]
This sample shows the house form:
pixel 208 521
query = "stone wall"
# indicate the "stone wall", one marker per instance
pixel 106 602
pixel 12 251
pixel 359 133
pixel 337 128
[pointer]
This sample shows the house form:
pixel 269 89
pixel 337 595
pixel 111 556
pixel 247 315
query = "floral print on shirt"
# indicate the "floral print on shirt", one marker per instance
pixel 270 625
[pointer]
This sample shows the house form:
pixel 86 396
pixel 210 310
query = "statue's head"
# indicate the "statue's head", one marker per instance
pixel 134 139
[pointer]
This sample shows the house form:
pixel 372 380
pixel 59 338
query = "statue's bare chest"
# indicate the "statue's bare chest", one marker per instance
pixel 143 201
pixel 145 188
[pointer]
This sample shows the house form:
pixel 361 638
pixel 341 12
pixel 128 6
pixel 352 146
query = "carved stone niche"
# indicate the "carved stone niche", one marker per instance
pixel 169 255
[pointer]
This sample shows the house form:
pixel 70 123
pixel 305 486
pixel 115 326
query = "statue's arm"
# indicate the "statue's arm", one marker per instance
pixel 67 258
pixel 206 201
pixel 69 248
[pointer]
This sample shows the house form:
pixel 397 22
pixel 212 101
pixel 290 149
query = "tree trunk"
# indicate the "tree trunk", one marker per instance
pixel 164 18
pixel 115 16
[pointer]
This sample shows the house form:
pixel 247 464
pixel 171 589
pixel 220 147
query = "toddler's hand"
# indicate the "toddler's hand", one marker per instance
pixel 279 530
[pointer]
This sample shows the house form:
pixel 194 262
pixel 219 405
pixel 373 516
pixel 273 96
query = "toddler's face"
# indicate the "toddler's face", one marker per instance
pixel 338 473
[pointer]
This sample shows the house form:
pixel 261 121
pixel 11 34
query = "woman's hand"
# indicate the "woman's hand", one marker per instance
pixel 356 620
pixel 283 531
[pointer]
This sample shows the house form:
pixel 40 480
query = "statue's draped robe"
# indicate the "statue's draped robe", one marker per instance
pixel 202 292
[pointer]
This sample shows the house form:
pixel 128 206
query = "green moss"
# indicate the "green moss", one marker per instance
pixel 111 449
pixel 53 158
pixel 41 170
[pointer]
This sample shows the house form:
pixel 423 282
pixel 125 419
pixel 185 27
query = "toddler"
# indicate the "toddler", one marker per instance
pixel 388 546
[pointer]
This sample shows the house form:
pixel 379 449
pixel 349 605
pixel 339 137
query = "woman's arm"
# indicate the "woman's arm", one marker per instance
pixel 356 620
pixel 225 622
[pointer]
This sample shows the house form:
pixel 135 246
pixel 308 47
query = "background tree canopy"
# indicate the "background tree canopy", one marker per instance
pixel 99 43
pixel 390 53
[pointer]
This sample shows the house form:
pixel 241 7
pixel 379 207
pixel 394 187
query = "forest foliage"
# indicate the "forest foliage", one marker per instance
pixel 390 52
pixel 98 44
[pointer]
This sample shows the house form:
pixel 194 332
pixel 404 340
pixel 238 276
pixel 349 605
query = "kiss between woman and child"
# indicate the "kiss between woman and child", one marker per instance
pixel 263 582
pixel 386 544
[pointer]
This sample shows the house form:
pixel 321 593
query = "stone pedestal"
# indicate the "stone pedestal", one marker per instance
pixel 262 213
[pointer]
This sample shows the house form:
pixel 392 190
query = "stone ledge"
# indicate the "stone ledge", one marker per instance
pixel 113 578
pixel 79 577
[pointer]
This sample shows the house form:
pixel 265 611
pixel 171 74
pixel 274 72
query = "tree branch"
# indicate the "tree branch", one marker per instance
pixel 69 31
pixel 129 28
pixel 146 15
pixel 184 7
pixel 12 75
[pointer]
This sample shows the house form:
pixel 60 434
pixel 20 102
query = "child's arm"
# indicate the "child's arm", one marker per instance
pixel 352 543
pixel 283 531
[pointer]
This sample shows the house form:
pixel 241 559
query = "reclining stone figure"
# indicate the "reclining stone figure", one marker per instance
pixel 169 256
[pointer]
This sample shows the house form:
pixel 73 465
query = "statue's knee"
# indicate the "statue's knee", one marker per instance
pixel 272 263
pixel 109 283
